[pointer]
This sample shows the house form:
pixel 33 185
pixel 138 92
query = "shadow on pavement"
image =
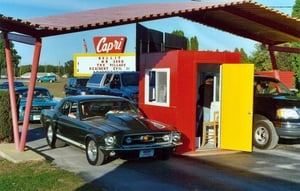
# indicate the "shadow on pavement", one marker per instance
pixel 34 135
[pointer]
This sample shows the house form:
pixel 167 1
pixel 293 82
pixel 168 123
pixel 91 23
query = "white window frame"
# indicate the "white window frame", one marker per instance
pixel 167 88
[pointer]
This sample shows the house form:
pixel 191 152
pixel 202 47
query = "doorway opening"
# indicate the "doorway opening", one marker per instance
pixel 208 106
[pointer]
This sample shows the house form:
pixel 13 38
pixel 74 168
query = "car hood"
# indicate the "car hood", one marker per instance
pixel 281 100
pixel 39 101
pixel 128 124
pixel 132 89
pixel 286 101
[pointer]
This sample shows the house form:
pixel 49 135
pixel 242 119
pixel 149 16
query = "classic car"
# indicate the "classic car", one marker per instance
pixel 5 84
pixel 42 99
pixel 107 128
pixel 50 79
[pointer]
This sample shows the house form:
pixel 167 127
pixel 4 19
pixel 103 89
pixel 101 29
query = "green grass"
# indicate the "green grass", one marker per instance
pixel 56 88
pixel 36 176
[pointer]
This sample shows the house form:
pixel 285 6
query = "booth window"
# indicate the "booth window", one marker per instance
pixel 157 87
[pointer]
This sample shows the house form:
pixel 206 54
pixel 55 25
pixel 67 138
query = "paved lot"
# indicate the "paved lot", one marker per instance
pixel 276 169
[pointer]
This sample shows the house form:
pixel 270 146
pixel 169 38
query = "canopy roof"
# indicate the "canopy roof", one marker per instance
pixel 243 18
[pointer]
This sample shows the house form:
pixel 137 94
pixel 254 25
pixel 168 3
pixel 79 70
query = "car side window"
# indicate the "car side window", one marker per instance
pixel 107 79
pixel 65 108
pixel 73 110
pixel 115 83
pixel 69 109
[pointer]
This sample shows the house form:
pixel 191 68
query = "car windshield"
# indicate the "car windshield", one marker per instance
pixel 81 82
pixel 38 93
pixel 130 79
pixel 267 87
pixel 101 108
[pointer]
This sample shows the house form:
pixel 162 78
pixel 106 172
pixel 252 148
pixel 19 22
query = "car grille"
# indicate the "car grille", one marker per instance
pixel 146 139
pixel 38 109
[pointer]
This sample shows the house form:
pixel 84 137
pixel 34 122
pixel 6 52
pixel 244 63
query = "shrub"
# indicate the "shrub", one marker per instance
pixel 6 126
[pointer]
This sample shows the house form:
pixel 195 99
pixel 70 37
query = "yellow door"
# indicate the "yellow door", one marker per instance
pixel 236 106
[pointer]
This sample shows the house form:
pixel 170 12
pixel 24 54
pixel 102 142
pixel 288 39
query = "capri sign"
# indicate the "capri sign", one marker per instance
pixel 109 44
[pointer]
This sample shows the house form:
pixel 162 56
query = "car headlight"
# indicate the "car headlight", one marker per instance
pixel 109 140
pixel 176 136
pixel 83 93
pixel 166 138
pixel 285 113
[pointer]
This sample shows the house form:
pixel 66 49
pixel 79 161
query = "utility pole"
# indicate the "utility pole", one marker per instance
pixel 85 46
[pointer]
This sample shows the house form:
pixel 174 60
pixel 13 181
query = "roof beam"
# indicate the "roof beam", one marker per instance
pixel 206 19
pixel 262 21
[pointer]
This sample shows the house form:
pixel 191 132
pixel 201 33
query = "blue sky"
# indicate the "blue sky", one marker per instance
pixel 59 49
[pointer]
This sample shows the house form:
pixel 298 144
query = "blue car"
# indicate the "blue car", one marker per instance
pixel 50 79
pixel 5 84
pixel 42 99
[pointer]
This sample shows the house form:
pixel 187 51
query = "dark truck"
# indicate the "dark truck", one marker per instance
pixel 76 86
pixel 276 113
pixel 123 84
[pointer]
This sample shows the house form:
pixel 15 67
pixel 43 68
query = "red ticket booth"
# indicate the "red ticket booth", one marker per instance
pixel 169 92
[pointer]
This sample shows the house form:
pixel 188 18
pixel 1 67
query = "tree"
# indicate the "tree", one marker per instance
pixel 178 32
pixel 295 58
pixel 296 9
pixel 261 58
pixel 69 68
pixel 244 56
pixel 15 57
pixel 192 43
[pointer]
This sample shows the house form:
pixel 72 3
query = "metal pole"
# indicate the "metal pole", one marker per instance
pixel 274 64
pixel 12 95
pixel 34 69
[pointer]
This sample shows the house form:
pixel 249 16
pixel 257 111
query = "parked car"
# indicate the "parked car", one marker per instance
pixel 107 127
pixel 276 113
pixel 124 84
pixel 42 99
pixel 50 79
pixel 76 86
pixel 5 85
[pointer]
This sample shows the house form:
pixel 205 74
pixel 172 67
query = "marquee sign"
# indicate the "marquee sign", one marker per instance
pixel 87 64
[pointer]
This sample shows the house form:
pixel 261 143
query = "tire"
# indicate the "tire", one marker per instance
pixel 264 135
pixel 93 154
pixel 51 138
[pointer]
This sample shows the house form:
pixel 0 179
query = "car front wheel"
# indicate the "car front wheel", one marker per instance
pixel 264 135
pixel 93 154
pixel 52 141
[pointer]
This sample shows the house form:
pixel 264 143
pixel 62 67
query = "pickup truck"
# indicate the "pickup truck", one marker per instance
pixel 76 86
pixel 276 113
pixel 123 84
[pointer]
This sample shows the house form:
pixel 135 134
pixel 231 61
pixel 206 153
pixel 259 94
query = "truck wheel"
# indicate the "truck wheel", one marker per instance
pixel 51 138
pixel 93 154
pixel 264 135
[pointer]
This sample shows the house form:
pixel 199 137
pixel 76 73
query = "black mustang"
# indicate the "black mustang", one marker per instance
pixel 107 127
